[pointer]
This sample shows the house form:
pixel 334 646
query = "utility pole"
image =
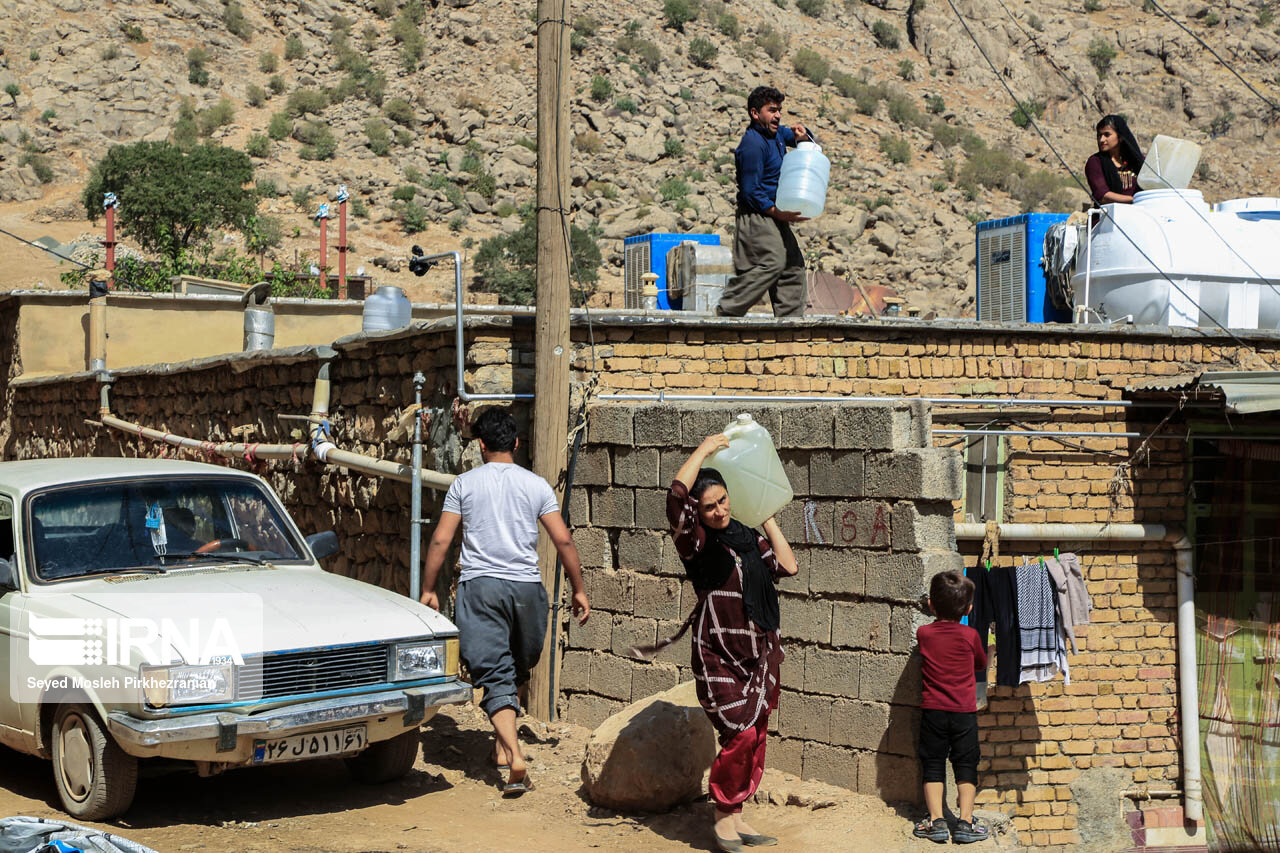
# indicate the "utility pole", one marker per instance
pixel 551 342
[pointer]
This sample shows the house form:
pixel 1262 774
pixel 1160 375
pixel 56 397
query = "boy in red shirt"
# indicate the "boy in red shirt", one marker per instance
pixel 950 653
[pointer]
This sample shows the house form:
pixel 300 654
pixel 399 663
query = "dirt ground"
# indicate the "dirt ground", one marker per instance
pixel 450 802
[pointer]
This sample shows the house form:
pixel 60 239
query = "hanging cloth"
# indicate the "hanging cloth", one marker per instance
pixel 995 606
pixel 1072 594
pixel 1037 624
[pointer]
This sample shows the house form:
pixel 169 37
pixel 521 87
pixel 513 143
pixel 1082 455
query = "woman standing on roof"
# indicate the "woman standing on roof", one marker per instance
pixel 737 651
pixel 1113 171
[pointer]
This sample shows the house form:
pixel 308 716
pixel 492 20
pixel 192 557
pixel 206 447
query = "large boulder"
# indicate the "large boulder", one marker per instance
pixel 651 755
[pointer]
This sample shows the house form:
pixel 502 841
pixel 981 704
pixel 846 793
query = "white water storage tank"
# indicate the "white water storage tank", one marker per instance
pixel 1170 260
pixel 387 308
pixel 802 184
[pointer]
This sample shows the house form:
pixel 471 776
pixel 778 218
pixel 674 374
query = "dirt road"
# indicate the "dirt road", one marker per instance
pixel 449 803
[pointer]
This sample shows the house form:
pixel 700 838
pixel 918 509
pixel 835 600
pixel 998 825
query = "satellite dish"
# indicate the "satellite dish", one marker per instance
pixel 359 270
pixel 315 270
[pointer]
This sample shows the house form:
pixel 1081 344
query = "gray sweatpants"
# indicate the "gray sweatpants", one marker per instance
pixel 501 626
pixel 767 259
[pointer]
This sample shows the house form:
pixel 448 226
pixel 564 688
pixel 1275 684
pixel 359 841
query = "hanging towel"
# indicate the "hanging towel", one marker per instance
pixel 1072 594
pixel 1037 624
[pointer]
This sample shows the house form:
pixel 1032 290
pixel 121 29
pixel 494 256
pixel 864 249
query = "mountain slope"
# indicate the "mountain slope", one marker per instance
pixel 653 130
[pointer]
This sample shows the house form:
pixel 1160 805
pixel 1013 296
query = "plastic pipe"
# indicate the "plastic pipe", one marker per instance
pixel 328 452
pixel 230 450
pixel 98 334
pixel 1184 557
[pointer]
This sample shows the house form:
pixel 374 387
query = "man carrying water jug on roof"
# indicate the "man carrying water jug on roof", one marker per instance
pixel 766 256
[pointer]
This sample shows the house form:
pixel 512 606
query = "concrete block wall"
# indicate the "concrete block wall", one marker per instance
pixel 871 523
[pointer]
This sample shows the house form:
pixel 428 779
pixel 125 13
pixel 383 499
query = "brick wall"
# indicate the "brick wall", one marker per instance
pixel 871 523
pixel 1046 746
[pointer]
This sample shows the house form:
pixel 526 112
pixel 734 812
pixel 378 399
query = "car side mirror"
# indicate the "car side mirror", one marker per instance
pixel 8 576
pixel 323 544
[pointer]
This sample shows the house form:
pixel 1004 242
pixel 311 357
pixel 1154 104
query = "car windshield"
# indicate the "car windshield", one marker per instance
pixel 154 524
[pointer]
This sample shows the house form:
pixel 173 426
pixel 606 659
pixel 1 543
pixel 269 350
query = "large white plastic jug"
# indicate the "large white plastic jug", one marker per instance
pixel 752 471
pixel 1169 165
pixel 386 308
pixel 802 184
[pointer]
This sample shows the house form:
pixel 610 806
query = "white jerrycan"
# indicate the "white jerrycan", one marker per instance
pixel 802 183
pixel 752 471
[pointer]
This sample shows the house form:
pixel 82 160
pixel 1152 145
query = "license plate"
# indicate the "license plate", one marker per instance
pixel 312 745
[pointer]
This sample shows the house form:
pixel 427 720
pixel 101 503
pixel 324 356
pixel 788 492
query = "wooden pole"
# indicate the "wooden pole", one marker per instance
pixel 551 344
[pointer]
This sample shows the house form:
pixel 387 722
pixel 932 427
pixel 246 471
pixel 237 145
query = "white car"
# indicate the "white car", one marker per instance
pixel 91 549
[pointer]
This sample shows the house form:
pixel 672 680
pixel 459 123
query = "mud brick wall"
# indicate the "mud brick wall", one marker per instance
pixel 871 524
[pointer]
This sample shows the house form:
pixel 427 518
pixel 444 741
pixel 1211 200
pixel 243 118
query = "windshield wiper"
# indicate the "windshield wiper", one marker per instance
pixel 222 556
pixel 129 570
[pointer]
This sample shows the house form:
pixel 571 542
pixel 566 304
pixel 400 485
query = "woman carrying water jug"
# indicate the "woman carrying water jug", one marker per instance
pixel 736 647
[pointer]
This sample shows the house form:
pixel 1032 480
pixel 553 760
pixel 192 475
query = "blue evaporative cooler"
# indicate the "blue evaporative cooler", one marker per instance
pixel 1011 287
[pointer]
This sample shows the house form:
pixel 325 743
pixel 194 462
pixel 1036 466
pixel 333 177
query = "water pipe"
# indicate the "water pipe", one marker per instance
pixel 415 493
pixel 328 452
pixel 1184 556
pixel 664 397
pixel 459 345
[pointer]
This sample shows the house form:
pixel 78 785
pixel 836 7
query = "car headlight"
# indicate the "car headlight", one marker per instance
pixel 419 660
pixel 166 686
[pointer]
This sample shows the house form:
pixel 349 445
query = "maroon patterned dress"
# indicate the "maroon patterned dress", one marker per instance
pixel 735 662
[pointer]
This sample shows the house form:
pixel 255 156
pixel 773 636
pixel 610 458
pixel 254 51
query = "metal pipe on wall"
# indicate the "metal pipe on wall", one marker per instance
pixel 415 493
pixel 1188 689
pixel 459 341
pixel 663 397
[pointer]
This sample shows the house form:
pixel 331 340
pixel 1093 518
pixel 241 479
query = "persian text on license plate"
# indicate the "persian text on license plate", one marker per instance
pixel 312 745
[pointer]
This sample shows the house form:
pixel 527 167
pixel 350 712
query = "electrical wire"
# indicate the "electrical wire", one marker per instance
pixel 1045 53
pixel 1270 103
pixel 44 249
pixel 1039 131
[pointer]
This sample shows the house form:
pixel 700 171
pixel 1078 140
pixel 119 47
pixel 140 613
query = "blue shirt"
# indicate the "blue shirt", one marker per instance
pixel 759 161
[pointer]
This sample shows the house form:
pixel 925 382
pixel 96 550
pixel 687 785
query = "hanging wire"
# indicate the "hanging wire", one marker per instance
pixel 1039 131
pixel 1042 51
pixel 44 249
pixel 1270 103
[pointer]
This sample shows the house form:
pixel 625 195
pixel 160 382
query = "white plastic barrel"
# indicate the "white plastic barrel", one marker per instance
pixel 386 308
pixel 752 471
pixel 802 185
pixel 1170 163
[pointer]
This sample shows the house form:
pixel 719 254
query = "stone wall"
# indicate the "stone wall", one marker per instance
pixel 871 524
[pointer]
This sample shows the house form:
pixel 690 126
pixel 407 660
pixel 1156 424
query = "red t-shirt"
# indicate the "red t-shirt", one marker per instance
pixel 949 653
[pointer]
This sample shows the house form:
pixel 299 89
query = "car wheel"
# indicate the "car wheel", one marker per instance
pixel 96 779
pixel 386 760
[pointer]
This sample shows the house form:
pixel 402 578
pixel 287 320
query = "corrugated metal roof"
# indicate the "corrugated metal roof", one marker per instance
pixel 1243 392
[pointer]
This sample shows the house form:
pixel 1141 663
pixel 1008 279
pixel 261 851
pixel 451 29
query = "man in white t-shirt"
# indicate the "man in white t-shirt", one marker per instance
pixel 501 608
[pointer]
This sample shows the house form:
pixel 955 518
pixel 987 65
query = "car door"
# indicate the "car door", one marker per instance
pixel 13 731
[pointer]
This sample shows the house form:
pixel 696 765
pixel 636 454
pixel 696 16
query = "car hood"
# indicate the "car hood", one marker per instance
pixel 302 608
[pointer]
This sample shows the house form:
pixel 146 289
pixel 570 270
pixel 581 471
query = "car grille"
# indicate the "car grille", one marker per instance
pixel 297 673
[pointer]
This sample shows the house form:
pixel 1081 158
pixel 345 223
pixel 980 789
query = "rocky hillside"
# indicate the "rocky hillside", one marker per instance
pixel 427 112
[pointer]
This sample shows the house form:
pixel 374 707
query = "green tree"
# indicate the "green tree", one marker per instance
pixel 171 198
pixel 12 91
pixel 507 264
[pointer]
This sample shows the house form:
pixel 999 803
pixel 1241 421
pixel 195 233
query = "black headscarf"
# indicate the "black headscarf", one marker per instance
pixel 711 568
pixel 1129 151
